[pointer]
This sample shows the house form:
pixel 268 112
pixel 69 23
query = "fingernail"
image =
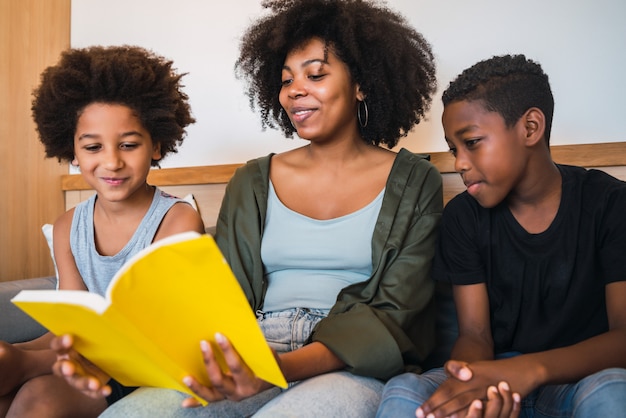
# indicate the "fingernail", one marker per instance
pixel 67 369
pixel 465 374
pixel 517 398
pixel 477 404
pixel 204 346
pixel 419 413
pixel 219 338
pixel 504 386
pixel 493 389
pixel 187 381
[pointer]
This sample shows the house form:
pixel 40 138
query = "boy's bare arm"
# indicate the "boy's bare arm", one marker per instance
pixel 569 364
pixel 474 341
pixel 525 373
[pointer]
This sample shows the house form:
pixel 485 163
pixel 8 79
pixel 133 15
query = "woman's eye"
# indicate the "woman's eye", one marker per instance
pixel 285 83
pixel 317 77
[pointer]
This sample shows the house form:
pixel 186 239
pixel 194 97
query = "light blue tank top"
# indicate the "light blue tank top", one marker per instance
pixel 98 270
pixel 308 261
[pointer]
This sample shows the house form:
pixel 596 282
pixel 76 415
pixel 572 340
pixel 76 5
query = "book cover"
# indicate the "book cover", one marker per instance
pixel 147 329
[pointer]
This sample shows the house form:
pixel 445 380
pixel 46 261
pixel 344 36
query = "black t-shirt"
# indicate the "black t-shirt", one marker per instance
pixel 545 290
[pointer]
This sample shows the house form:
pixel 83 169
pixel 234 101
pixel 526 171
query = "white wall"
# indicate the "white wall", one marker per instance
pixel 580 44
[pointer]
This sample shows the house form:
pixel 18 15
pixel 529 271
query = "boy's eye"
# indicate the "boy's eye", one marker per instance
pixel 452 151
pixel 471 142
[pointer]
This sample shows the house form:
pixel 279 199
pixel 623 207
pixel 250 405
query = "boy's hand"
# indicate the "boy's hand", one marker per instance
pixel 455 396
pixel 237 384
pixel 458 369
pixel 500 403
pixel 79 372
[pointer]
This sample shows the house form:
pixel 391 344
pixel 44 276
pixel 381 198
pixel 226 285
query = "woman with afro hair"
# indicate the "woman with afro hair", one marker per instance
pixel 331 242
pixel 114 112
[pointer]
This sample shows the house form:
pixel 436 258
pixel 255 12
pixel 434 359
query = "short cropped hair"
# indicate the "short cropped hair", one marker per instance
pixel 392 63
pixel 508 85
pixel 123 75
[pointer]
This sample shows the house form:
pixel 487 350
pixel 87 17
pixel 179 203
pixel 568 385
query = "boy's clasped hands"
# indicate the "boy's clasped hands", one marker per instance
pixel 474 390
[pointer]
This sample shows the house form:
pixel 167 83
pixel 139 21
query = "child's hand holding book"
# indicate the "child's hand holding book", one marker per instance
pixel 77 370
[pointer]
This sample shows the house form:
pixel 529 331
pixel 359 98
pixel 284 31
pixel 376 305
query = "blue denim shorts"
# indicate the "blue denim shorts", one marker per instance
pixel 289 329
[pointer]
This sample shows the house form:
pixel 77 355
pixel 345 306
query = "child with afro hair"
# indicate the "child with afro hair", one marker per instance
pixel 114 112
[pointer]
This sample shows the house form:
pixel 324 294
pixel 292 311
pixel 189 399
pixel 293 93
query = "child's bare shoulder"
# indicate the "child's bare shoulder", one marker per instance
pixel 182 217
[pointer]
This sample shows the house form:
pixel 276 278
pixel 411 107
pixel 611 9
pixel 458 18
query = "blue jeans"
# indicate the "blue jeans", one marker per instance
pixel 599 395
pixel 339 394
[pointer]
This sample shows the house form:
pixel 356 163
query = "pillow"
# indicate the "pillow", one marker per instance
pixel 191 200
pixel 47 233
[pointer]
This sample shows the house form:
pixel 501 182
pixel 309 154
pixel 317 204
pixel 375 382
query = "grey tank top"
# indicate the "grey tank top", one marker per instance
pixel 98 270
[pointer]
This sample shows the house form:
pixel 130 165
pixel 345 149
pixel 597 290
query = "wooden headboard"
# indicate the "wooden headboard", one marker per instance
pixel 207 183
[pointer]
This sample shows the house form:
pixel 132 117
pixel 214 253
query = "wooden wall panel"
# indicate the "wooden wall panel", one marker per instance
pixel 32 34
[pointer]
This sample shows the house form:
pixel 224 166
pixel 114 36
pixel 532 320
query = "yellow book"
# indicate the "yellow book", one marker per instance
pixel 157 309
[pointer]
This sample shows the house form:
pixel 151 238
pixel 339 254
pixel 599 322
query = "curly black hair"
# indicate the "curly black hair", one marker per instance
pixel 392 63
pixel 508 85
pixel 127 75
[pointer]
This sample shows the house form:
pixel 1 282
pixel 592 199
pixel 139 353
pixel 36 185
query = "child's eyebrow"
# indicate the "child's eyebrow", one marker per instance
pixel 88 136
pixel 122 135
pixel 131 133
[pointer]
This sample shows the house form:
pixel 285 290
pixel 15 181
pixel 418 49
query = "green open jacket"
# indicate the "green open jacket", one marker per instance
pixel 384 325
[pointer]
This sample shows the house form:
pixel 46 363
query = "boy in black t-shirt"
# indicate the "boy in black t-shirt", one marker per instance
pixel 534 252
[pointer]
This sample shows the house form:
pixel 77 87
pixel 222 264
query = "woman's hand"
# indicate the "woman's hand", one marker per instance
pixel 79 372
pixel 236 384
